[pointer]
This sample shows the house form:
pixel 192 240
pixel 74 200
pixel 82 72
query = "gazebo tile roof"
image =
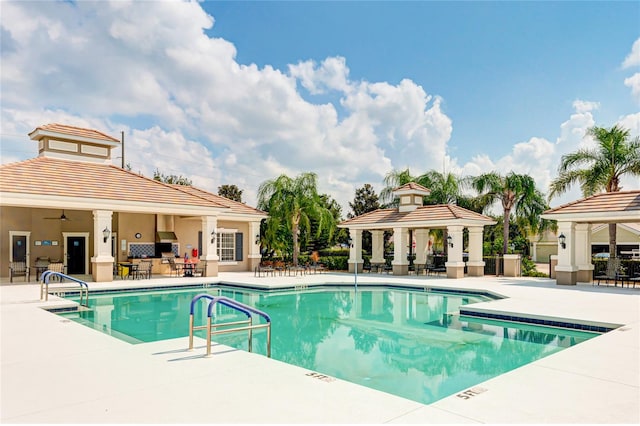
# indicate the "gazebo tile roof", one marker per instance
pixel 622 201
pixel 440 212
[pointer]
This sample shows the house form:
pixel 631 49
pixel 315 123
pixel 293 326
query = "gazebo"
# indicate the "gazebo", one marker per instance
pixel 411 217
pixel 575 221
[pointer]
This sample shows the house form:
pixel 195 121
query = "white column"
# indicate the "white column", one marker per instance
pixel 355 251
pixel 254 240
pixel 209 225
pixel 566 269
pixel 422 239
pixel 455 252
pixel 475 264
pixel 400 246
pixel 102 248
pixel 377 246
pixel 583 252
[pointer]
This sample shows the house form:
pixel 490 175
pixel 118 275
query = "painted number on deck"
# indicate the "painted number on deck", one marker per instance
pixel 320 377
pixel 471 392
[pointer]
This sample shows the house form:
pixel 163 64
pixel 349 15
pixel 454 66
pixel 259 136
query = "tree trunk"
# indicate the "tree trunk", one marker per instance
pixel 612 240
pixel 505 230
pixel 295 244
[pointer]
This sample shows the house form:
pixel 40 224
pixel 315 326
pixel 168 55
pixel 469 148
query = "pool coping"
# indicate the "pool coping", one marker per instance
pixel 564 387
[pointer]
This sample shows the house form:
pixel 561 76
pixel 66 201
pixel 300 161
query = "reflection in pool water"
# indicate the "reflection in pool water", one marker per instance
pixel 409 343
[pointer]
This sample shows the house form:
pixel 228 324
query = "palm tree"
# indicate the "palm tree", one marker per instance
pixel 291 204
pixel 393 180
pixel 600 168
pixel 516 193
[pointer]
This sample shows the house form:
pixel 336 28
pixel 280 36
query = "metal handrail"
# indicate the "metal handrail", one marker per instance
pixel 44 286
pixel 213 328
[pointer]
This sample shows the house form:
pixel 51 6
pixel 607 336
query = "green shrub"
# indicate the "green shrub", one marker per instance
pixel 529 268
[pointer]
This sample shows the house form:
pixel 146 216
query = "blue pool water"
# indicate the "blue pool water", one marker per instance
pixel 408 343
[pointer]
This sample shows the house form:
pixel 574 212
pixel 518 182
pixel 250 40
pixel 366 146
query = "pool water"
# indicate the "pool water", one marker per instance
pixel 408 343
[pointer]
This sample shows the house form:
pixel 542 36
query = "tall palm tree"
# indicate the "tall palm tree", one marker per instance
pixel 600 168
pixel 291 204
pixel 517 194
pixel 392 180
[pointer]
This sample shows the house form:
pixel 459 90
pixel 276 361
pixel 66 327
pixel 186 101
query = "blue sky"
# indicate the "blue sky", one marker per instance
pixel 239 92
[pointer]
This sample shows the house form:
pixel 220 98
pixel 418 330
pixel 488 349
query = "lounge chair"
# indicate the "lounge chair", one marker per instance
pixel 18 269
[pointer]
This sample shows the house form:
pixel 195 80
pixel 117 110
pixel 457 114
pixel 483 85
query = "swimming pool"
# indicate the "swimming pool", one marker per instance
pixel 408 343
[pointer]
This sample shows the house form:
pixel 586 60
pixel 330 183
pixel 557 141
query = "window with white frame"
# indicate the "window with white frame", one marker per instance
pixel 226 246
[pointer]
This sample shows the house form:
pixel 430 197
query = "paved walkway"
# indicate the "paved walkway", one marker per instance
pixel 57 371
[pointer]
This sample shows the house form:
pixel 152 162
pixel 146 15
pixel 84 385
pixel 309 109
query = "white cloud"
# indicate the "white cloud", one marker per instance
pixel 585 106
pixel 634 83
pixel 187 107
pixel 633 58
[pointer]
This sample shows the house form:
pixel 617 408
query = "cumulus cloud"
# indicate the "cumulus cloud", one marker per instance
pixel 189 108
pixel 633 58
pixel 634 83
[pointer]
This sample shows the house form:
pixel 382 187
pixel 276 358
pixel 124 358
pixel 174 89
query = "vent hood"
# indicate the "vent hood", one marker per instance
pixel 166 237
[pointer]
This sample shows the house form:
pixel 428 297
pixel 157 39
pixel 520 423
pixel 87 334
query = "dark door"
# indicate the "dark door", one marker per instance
pixel 75 255
pixel 19 248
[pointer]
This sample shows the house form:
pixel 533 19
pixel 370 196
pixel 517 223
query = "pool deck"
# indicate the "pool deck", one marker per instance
pixel 57 371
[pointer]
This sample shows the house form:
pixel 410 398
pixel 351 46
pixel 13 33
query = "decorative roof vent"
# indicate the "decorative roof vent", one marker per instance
pixel 74 143
pixel 410 196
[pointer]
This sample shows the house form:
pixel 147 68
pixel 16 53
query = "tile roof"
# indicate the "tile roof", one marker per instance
pixel 74 131
pixel 412 186
pixel 623 201
pixel 52 176
pixel 234 206
pixel 432 213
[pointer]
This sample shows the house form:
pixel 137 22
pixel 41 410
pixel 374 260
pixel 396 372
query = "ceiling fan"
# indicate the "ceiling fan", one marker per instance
pixel 62 217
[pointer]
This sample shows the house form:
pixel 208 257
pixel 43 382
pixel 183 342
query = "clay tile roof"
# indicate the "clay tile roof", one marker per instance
pixel 74 131
pixel 233 206
pixel 623 201
pixel 433 213
pixel 412 186
pixel 51 176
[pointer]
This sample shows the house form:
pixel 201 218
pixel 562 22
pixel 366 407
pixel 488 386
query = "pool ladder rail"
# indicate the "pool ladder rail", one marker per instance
pixel 82 287
pixel 242 325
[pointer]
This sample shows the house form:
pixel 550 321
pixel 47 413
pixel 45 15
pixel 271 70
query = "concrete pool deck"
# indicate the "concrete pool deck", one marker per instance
pixel 57 371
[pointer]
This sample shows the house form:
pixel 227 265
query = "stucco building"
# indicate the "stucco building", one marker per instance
pixel 71 203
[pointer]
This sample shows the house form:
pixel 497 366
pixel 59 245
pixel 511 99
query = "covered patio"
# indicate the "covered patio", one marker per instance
pixel 575 222
pixel 412 220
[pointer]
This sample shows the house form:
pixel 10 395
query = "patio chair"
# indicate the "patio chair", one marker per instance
pixel 611 273
pixel 18 269
pixel 56 267
pixel 175 268
pixel 200 269
pixel 143 270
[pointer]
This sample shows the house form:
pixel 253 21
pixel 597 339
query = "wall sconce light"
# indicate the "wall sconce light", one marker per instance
pixel 106 233
pixel 350 241
pixel 562 239
pixel 213 236
pixel 450 241
pixel 257 239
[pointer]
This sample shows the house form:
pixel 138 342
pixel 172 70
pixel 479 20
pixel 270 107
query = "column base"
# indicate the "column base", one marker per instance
pixel 475 270
pixel 352 270
pixel 585 276
pixel 566 278
pixel 455 271
pixel 102 272
pixel 400 269
pixel 212 268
